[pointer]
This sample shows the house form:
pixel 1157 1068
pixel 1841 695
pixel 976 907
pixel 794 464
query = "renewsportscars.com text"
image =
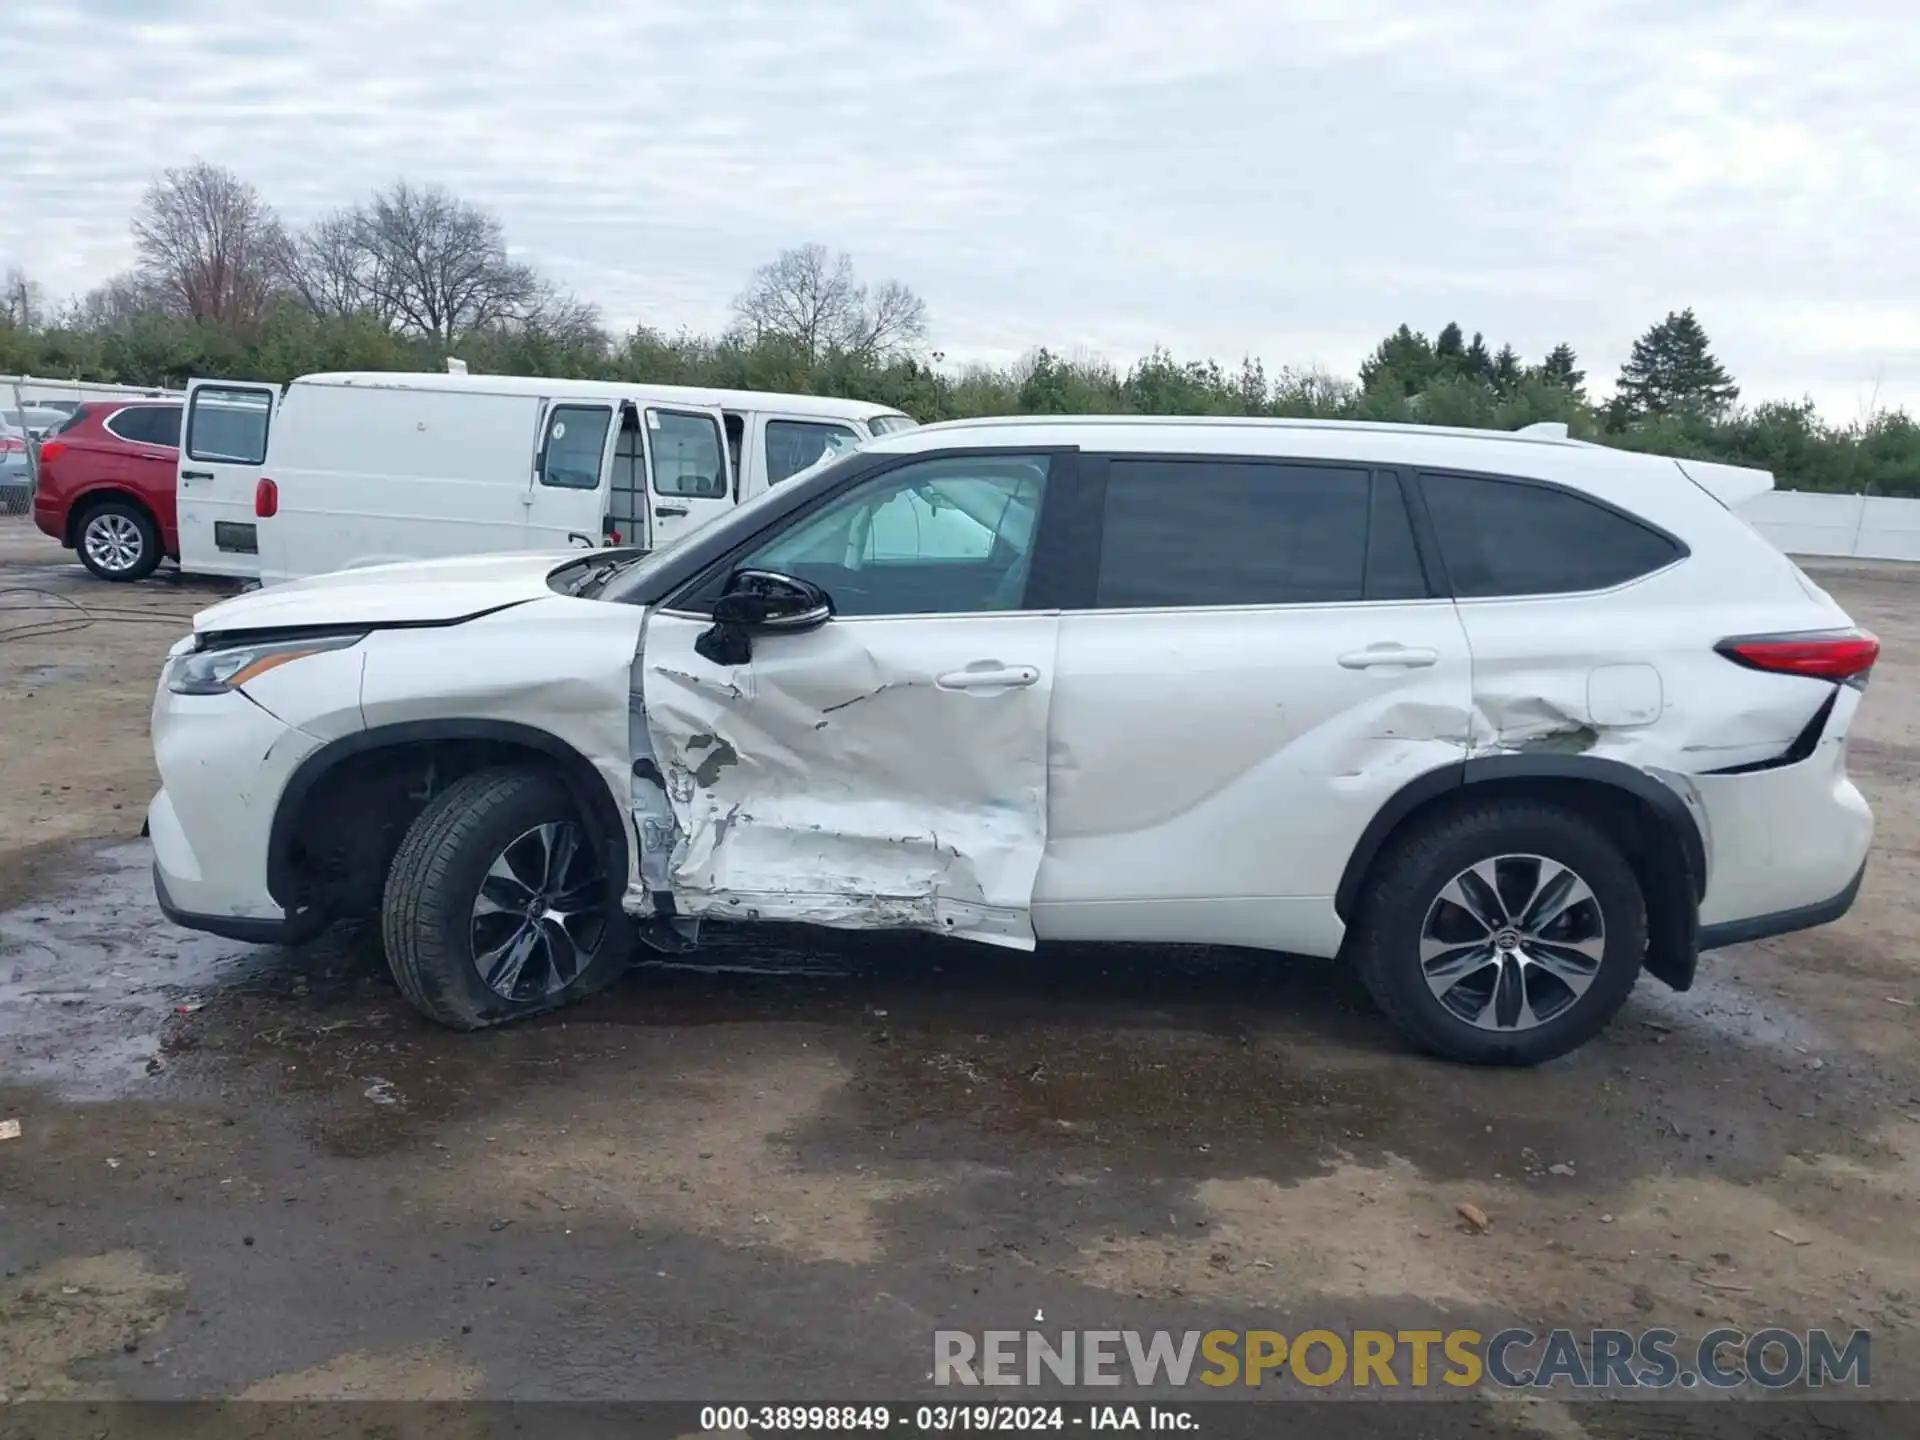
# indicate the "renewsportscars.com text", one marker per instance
pixel 1597 1359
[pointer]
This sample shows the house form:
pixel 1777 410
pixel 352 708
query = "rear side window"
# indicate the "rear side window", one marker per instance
pixel 72 422
pixel 688 461
pixel 793 445
pixel 147 424
pixel 1227 532
pixel 1508 537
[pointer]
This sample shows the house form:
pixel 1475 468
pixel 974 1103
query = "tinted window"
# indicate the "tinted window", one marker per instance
pixel 1503 537
pixel 576 438
pixel 1393 562
pixel 936 537
pixel 687 455
pixel 793 445
pixel 147 424
pixel 229 425
pixel 1227 532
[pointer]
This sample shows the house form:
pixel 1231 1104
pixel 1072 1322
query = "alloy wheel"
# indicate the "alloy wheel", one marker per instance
pixel 1512 942
pixel 113 542
pixel 540 913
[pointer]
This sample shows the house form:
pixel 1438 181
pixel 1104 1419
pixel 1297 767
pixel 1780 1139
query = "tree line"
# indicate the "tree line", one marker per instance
pixel 414 274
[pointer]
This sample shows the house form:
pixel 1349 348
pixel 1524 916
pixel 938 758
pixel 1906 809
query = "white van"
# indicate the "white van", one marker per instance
pixel 352 469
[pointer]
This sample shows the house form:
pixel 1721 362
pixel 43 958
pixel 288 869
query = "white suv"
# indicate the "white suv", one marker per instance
pixel 1501 719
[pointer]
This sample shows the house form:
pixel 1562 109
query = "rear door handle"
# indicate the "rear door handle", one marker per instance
pixel 196 474
pixel 989 677
pixel 1378 656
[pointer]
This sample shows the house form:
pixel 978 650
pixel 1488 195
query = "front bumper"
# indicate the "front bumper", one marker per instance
pixel 283 931
pixel 224 762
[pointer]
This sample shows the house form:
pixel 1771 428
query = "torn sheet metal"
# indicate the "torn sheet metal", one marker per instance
pixel 869 774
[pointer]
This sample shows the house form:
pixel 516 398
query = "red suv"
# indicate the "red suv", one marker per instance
pixel 106 484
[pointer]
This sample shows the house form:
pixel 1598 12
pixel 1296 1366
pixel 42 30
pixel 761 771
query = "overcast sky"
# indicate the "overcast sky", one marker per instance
pixel 1286 178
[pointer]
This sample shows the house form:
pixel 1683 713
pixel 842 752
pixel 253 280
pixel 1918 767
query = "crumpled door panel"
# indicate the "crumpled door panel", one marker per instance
pixel 833 780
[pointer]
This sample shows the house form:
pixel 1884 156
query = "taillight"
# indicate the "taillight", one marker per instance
pixel 11 443
pixel 266 499
pixel 52 450
pixel 1819 655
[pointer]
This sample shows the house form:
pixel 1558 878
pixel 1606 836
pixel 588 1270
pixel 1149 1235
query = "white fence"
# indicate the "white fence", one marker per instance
pixel 1867 527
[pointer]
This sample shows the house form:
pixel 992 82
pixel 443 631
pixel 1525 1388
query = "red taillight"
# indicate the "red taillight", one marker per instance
pixel 11 443
pixel 52 450
pixel 266 499
pixel 1823 655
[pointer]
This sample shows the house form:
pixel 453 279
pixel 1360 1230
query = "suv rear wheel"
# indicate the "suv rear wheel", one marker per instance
pixel 118 540
pixel 496 905
pixel 1505 933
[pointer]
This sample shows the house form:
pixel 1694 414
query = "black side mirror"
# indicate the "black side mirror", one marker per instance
pixel 765 601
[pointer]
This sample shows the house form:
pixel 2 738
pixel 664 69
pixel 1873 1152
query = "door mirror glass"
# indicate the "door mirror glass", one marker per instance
pixel 762 601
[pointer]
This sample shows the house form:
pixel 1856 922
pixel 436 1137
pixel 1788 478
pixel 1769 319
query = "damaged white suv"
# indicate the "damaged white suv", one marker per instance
pixel 1501 719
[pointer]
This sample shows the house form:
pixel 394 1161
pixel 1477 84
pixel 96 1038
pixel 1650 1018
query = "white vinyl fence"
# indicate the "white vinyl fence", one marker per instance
pixel 1866 527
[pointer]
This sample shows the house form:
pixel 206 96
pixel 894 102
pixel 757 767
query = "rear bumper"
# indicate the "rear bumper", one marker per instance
pixel 1783 922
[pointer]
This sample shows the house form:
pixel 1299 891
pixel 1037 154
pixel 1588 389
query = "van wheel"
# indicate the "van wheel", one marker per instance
pixel 497 904
pixel 118 540
pixel 1506 933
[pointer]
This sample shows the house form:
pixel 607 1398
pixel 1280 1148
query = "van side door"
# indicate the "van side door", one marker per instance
pixel 223 449
pixel 689 478
pixel 567 496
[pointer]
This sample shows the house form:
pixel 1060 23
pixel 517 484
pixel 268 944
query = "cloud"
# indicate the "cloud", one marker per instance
pixel 1223 177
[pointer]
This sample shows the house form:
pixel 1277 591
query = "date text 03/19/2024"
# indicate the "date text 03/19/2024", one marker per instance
pixel 944 1419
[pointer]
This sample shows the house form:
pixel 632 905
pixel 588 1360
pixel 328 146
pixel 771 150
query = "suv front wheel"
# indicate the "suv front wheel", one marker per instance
pixel 497 905
pixel 1505 933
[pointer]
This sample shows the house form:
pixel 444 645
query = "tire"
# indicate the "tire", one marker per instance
pixel 439 927
pixel 117 540
pixel 1410 921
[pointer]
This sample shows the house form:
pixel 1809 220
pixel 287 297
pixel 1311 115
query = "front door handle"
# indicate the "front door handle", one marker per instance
pixel 990 676
pixel 665 510
pixel 196 474
pixel 1378 656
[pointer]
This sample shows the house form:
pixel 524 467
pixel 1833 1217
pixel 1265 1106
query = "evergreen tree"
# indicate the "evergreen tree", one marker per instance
pixel 1451 346
pixel 1478 362
pixel 1672 372
pixel 1507 370
pixel 1403 362
pixel 1561 367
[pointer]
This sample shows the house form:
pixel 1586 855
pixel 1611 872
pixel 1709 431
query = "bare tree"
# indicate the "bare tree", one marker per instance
pixel 439 265
pixel 810 297
pixel 208 245
pixel 113 303
pixel 334 268
pixel 23 303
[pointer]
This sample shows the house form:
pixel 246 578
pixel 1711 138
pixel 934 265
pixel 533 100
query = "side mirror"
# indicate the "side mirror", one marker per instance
pixel 764 601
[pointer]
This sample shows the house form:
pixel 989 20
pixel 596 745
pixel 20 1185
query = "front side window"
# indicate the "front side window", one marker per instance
pixel 576 438
pixel 689 459
pixel 793 445
pixel 229 425
pixel 1510 537
pixel 1180 533
pixel 948 536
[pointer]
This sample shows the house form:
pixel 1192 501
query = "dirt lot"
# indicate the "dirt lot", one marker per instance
pixel 250 1172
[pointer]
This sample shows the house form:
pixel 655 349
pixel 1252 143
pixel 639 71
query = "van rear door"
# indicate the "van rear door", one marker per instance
pixel 223 447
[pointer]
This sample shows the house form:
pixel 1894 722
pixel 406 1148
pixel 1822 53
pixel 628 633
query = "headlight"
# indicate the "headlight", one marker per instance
pixel 214 672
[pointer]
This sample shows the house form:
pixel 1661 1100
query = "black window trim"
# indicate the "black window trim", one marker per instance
pixel 107 425
pixel 1092 527
pixel 1429 536
pixel 693 597
pixel 189 412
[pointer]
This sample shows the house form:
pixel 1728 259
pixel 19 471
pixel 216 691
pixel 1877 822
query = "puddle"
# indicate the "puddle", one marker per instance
pixel 89 978
pixel 1720 1005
